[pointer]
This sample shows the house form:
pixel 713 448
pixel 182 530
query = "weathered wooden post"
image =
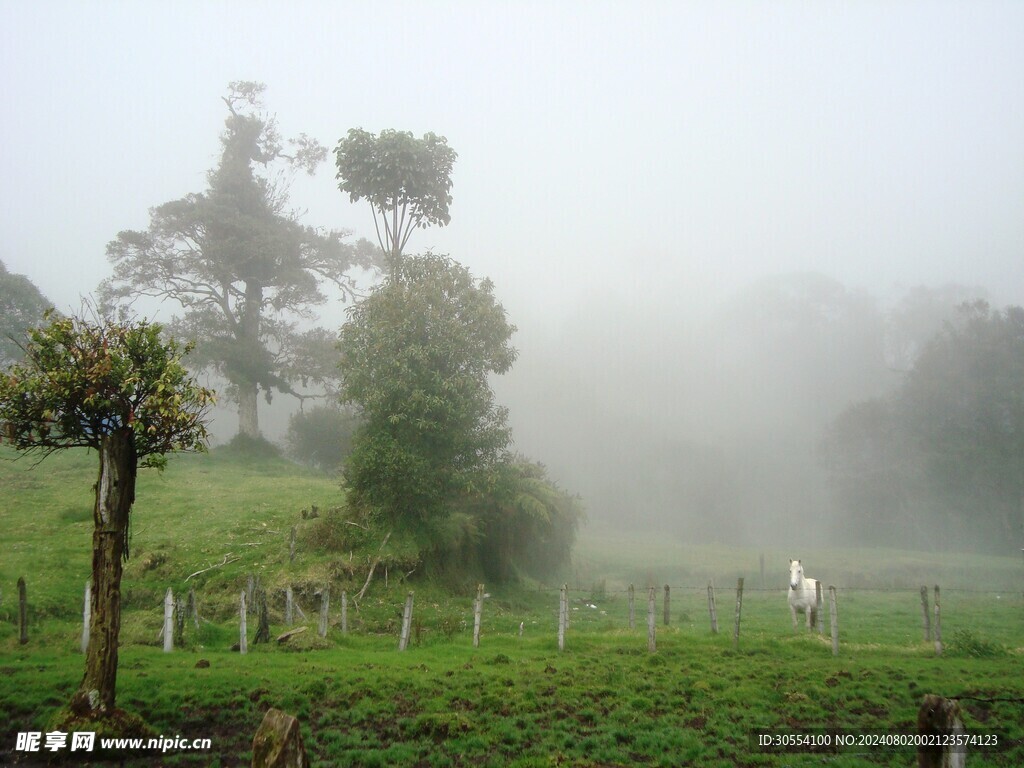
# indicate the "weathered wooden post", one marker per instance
pixel 651 644
pixel 403 639
pixel 86 615
pixel 478 606
pixel 819 617
pixel 833 612
pixel 739 607
pixel 632 607
pixel 291 546
pixel 937 720
pixel 667 615
pixel 926 618
pixel 938 624
pixel 168 621
pixel 22 611
pixel 193 607
pixel 563 609
pixel 243 636
pixel 179 621
pixel 289 606
pixel 711 608
pixel 344 612
pixel 325 604
pixel 263 628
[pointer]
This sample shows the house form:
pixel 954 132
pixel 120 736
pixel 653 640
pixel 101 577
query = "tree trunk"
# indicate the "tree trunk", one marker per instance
pixel 115 493
pixel 248 335
pixel 248 416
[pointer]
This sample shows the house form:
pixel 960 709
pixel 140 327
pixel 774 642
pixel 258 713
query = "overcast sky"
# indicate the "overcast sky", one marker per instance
pixel 615 159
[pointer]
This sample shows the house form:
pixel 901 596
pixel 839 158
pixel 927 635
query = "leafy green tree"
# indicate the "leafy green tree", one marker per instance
pixel 22 306
pixel 963 406
pixel 241 266
pixel 121 389
pixel 415 357
pixel 406 180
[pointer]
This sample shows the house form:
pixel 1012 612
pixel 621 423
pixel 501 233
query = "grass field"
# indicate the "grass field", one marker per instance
pixel 604 701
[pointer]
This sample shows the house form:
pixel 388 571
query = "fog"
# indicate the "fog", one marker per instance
pixel 701 217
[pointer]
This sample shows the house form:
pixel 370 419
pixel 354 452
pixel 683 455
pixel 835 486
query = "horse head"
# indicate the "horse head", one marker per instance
pixel 796 574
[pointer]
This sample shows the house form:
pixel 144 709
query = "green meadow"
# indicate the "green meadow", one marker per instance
pixel 208 522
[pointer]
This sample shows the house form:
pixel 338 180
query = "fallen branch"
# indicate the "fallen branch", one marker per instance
pixel 373 567
pixel 290 633
pixel 224 562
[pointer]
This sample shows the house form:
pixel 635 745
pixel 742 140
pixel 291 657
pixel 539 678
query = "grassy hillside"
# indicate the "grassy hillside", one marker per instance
pixel 516 700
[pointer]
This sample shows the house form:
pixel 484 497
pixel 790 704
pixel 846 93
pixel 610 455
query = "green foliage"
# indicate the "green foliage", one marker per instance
pixel 22 306
pixel 241 265
pixel 968 643
pixel 416 355
pixel 83 379
pixel 322 436
pixel 407 181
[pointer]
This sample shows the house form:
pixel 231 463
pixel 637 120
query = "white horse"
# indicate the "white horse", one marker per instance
pixel 803 594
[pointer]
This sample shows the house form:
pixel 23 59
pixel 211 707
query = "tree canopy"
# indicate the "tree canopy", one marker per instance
pixel 241 266
pixel 406 180
pixel 22 306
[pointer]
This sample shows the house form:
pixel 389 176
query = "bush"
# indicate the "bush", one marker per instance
pixel 322 436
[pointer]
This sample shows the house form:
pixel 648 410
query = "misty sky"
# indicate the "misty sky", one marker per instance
pixel 616 160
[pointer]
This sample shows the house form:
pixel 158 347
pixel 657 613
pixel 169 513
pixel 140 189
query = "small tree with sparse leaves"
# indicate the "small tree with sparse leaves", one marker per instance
pixel 121 389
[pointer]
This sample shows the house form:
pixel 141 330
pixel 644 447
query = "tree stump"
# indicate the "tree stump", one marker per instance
pixel 278 742
pixel 940 717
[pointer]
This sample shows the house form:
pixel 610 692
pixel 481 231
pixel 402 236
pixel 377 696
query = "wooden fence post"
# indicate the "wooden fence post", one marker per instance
pixel 22 611
pixel 711 609
pixel 666 606
pixel 926 618
pixel 651 644
pixel 833 612
pixel 344 612
pixel 739 607
pixel 563 610
pixel 243 637
pixel 938 624
pixel 325 604
pixel 168 621
pixel 291 546
pixel 193 607
pixel 289 606
pixel 819 608
pixel 403 639
pixel 179 621
pixel 263 627
pixel 86 615
pixel 632 608
pixel 478 606
pixel 938 719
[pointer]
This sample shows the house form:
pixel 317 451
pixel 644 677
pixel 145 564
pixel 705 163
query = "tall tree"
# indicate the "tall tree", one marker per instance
pixel 415 357
pixel 22 306
pixel 406 180
pixel 122 390
pixel 241 266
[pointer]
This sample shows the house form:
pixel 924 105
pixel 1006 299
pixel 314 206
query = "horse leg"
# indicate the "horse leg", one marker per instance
pixel 792 610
